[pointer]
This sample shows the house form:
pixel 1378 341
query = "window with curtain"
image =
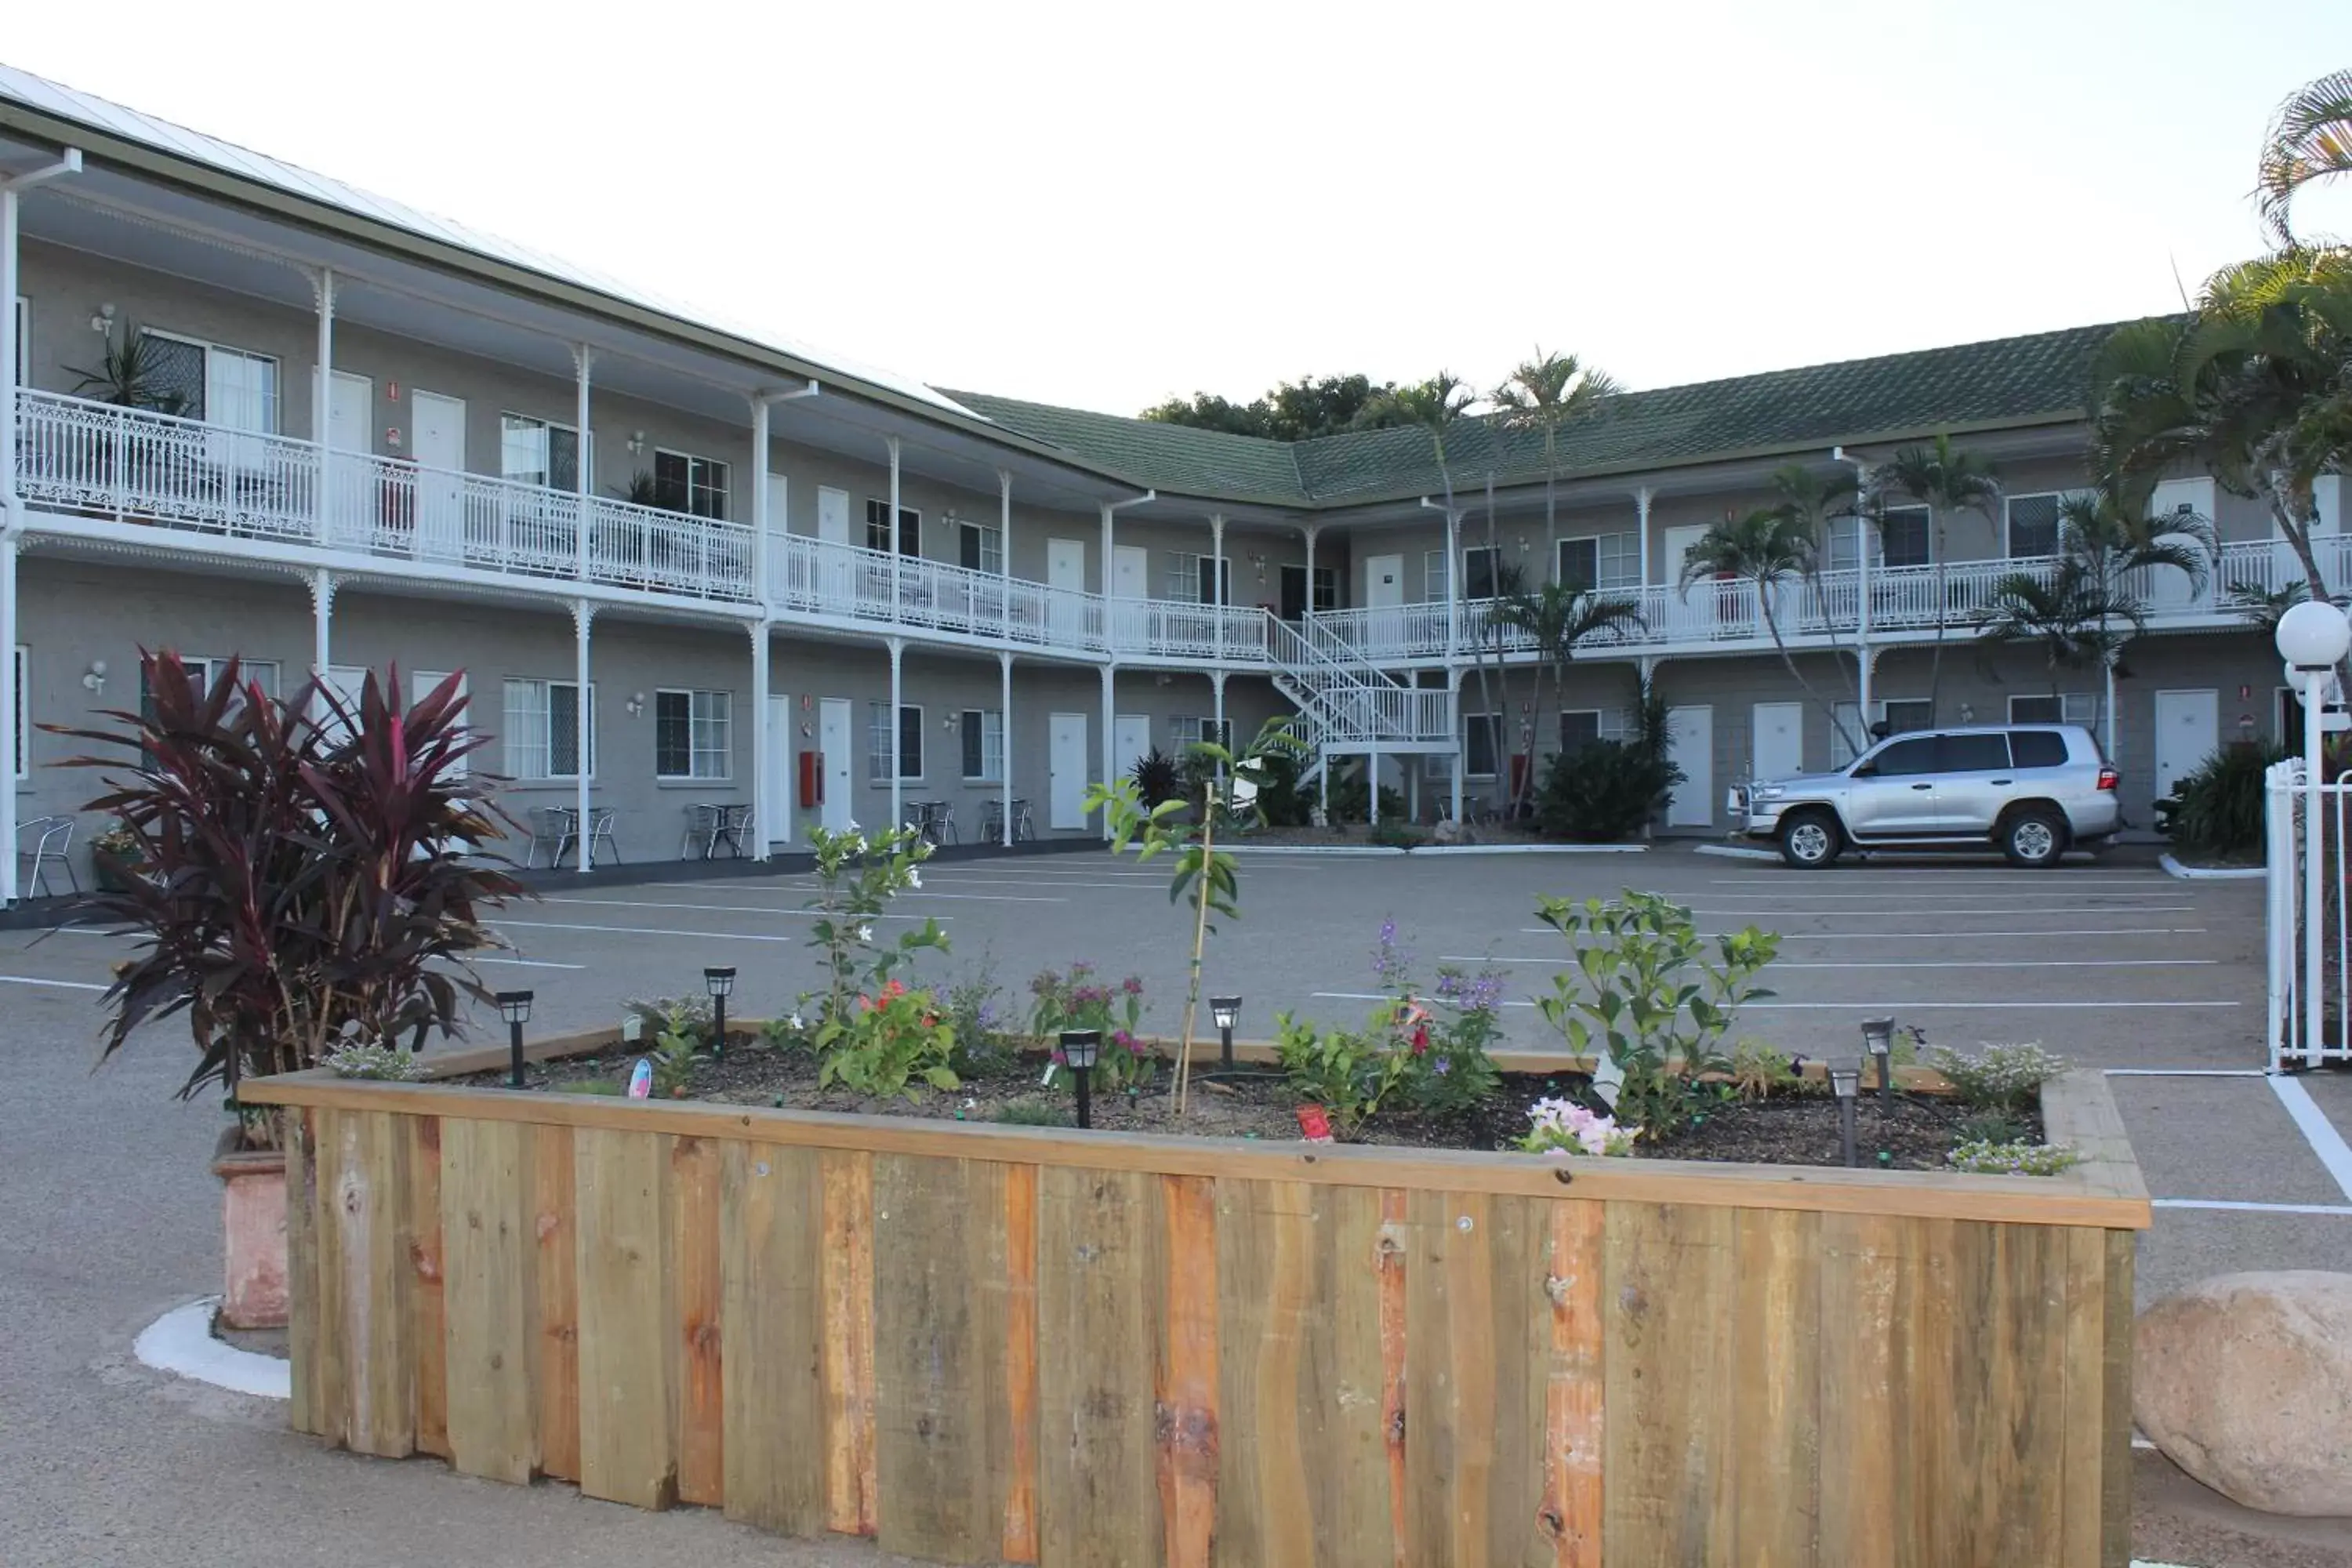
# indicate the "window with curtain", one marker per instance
pixel 877 743
pixel 542 729
pixel 535 452
pixel 691 734
pixel 984 745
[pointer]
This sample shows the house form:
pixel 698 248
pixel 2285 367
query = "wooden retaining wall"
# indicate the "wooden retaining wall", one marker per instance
pixel 982 1345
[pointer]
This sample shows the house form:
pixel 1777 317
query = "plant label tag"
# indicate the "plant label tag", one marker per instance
pixel 1047 1081
pixel 641 1079
pixel 1313 1125
pixel 1606 1078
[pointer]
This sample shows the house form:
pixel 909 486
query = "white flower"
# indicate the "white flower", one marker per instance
pixel 796 1024
pixel 865 933
pixel 853 825
pixel 914 878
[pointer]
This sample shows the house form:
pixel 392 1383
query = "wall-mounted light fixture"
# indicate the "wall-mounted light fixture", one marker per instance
pixel 1968 713
pixel 103 321
pixel 635 704
pixel 636 442
pixel 95 680
pixel 1258 559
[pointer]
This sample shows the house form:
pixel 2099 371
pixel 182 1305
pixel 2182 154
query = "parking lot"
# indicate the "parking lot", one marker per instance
pixel 110 1218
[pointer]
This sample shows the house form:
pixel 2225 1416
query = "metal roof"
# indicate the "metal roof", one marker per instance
pixel 62 102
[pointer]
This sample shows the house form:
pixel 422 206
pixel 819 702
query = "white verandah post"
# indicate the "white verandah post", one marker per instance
pixel 1005 746
pixel 583 616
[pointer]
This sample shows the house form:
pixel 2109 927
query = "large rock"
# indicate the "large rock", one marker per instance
pixel 2245 1382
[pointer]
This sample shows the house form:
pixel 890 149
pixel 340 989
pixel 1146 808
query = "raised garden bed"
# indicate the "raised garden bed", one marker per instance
pixel 986 1342
pixel 1797 1127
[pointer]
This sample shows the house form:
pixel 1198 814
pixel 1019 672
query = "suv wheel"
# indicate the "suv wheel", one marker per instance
pixel 2035 837
pixel 1811 840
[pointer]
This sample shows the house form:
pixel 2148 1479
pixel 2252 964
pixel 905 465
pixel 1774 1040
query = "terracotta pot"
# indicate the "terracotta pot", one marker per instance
pixel 253 1181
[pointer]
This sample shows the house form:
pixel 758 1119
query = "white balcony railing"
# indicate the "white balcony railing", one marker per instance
pixel 131 465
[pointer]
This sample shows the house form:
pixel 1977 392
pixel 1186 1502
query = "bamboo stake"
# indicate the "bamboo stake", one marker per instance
pixel 1200 938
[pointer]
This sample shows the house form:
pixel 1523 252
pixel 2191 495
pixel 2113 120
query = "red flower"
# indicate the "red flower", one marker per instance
pixel 1420 1039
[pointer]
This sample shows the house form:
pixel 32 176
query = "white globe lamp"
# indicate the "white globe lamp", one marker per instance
pixel 2313 635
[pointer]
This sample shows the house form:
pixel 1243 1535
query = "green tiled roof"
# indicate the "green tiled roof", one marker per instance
pixel 2026 380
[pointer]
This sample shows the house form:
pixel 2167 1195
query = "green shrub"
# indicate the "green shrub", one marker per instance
pixel 2218 809
pixel 1280 802
pixel 1350 1074
pixel 1990 1127
pixel 1398 835
pixel 889 1042
pixel 1607 790
pixel 1351 801
pixel 2012 1159
pixel 1031 1113
pixel 1998 1077
pixel 1156 777
pixel 1642 989
pixel 982 1045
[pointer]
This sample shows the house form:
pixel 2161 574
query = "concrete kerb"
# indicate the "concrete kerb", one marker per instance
pixel 2173 867
pixel 1361 849
pixel 1736 852
pixel 180 1342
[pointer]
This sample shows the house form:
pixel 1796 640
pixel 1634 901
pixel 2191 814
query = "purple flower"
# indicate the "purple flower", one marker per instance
pixel 1057 1059
pixel 1442 1066
pixel 1132 986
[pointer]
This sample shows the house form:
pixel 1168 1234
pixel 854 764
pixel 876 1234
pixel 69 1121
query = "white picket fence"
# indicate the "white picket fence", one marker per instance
pixel 2298 1035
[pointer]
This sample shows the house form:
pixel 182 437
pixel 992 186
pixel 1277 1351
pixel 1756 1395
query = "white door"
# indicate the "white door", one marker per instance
pixel 1690 742
pixel 1130 568
pixel 1779 740
pixel 1066 564
pixel 1383 581
pixel 1067 779
pixel 1678 543
pixel 833 739
pixel 438 440
pixel 1131 741
pixel 832 515
pixel 352 499
pixel 775 809
pixel 2187 730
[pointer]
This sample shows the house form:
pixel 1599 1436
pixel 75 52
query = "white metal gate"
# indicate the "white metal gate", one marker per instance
pixel 2305 1030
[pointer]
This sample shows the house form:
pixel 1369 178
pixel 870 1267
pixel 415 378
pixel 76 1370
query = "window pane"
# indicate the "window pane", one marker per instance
pixel 563 730
pixel 2032 525
pixel 1905 536
pixel 1912 713
pixel 673 734
pixel 968 548
pixel 1327 588
pixel 877 743
pixel 1973 753
pixel 1579 564
pixel 669 481
pixel 1620 561
pixel 1578 729
pixel 522 449
pixel 1478 756
pixel 1908 757
pixel 1478 574
pixel 911 742
pixel 2038 748
pixel 563 459
pixel 2035 710
pixel 175 375
pixel 975 751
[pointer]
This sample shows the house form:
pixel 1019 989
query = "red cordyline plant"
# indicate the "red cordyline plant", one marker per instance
pixel 303 865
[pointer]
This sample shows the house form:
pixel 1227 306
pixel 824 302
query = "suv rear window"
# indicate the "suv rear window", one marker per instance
pixel 2038 748
pixel 1972 753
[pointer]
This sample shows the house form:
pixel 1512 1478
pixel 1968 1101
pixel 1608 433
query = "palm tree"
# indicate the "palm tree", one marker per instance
pixel 1557 618
pixel 1543 395
pixel 1947 482
pixel 2310 139
pixel 1437 405
pixel 2112 536
pixel 2065 613
pixel 2255 387
pixel 1768 547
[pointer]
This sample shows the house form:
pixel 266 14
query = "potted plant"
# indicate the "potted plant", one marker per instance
pixel 306 868
pixel 116 857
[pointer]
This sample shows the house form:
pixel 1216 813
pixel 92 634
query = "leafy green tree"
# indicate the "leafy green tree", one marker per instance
pixel 2065 613
pixel 1297 410
pixel 1766 548
pixel 1557 618
pixel 1544 394
pixel 1947 481
pixel 2310 139
pixel 2254 386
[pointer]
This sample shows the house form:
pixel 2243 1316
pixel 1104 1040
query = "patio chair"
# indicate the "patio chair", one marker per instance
pixel 552 828
pixel 600 834
pixel 51 838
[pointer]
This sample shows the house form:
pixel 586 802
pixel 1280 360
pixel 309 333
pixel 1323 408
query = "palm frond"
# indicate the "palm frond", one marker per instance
pixel 2310 138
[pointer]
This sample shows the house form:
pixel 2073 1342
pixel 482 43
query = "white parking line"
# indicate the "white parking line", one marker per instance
pixel 1780 965
pixel 2030 879
pixel 2325 1141
pixel 1906 1005
pixel 2186 1072
pixel 715 908
pixel 526 963
pixel 2107 901
pixel 2235 1206
pixel 649 931
pixel 60 985
pixel 1955 914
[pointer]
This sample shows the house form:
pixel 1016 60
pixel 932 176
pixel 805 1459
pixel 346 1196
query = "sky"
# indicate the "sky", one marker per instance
pixel 1104 204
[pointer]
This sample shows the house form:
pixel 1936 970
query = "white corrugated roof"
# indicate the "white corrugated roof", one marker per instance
pixel 99 113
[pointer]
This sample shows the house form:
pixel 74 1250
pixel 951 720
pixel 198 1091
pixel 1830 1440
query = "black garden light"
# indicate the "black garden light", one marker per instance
pixel 1846 1077
pixel 721 983
pixel 1227 1012
pixel 1079 1048
pixel 1878 1039
pixel 514 1006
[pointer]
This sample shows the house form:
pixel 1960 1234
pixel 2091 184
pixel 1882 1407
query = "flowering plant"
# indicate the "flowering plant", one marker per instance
pixel 888 1040
pixel 1350 1074
pixel 2014 1159
pixel 1446 1034
pixel 856 879
pixel 1564 1127
pixel 1075 999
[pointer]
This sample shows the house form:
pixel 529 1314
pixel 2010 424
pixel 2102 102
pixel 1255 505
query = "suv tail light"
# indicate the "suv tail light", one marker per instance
pixel 2109 779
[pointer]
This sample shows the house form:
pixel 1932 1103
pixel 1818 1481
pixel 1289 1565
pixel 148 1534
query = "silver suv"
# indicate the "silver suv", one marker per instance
pixel 2031 790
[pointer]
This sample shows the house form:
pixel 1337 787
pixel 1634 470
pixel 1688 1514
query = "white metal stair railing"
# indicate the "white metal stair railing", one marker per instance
pixel 1352 706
